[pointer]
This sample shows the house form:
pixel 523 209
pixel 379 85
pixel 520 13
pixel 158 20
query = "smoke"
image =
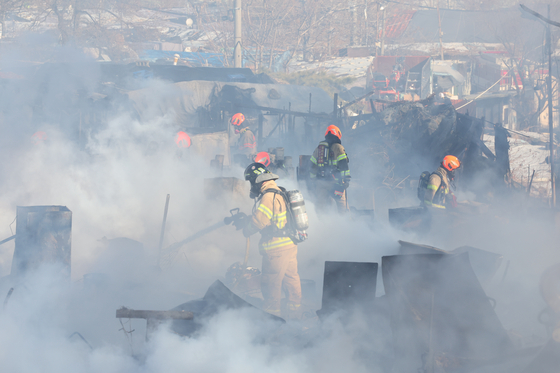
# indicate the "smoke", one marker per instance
pixel 115 179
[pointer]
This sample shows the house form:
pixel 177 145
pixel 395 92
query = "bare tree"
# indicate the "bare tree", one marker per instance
pixel 7 6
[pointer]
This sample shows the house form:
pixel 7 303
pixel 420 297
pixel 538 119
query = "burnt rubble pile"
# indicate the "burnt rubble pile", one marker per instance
pixel 416 136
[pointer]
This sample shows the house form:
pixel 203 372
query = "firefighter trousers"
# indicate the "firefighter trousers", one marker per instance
pixel 324 193
pixel 280 268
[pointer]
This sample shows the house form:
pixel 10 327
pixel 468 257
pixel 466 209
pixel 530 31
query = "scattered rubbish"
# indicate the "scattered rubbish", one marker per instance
pixel 217 298
pixel 43 234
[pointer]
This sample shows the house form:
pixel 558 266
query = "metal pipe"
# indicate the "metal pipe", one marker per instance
pixel 550 114
pixel 247 249
pixel 237 51
pixel 383 31
pixel 354 23
pixel 439 31
pixel 127 313
pixel 162 234
pixel 7 239
pixel 260 130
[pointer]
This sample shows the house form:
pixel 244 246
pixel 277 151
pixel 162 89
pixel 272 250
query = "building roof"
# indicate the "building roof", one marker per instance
pixel 355 67
pixel 397 24
pixel 445 68
pixel 465 27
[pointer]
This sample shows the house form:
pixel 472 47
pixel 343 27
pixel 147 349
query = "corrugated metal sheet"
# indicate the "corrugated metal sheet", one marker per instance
pixel 397 24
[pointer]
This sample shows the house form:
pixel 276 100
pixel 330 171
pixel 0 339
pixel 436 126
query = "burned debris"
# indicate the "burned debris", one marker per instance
pixel 416 246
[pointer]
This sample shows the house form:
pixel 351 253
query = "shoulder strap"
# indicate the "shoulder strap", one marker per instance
pixel 271 190
pixel 443 182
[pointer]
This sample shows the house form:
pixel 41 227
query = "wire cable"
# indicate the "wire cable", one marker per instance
pixel 489 88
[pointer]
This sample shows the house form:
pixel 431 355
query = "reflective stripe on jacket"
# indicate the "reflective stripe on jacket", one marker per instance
pixel 247 143
pixel 271 209
pixel 437 189
pixel 330 160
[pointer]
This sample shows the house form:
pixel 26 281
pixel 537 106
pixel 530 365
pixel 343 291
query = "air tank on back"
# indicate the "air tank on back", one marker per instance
pixel 298 208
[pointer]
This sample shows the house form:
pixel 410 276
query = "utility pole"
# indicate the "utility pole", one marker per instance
pixel 548 41
pixel 376 29
pixel 354 23
pixel 439 30
pixel 383 30
pixel 367 23
pixel 237 50
pixel 550 114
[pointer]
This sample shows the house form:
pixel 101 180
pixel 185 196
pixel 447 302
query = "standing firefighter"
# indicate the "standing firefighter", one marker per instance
pixel 330 175
pixel 279 252
pixel 438 187
pixel 246 144
pixel 277 167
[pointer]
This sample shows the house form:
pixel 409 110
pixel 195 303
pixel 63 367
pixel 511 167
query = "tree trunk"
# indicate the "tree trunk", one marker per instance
pixel 272 49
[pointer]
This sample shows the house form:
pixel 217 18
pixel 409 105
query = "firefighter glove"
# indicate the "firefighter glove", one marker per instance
pixel 454 201
pixel 338 192
pixel 240 221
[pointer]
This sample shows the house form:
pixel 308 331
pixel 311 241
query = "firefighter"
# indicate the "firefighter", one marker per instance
pixel 438 192
pixel 263 158
pixel 183 140
pixel 277 167
pixel 330 175
pixel 279 264
pixel 246 144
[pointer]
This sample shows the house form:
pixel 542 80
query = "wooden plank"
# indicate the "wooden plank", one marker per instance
pixel 126 313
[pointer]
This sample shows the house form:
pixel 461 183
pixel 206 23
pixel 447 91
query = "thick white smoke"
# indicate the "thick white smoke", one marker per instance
pixel 116 186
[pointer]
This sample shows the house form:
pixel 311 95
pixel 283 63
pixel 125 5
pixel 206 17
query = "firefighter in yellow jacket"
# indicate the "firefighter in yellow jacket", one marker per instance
pixel 438 193
pixel 279 265
pixel 246 144
pixel 330 174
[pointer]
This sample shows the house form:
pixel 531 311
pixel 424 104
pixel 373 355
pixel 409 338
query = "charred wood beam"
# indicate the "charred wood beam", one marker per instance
pixel 487 152
pixel 7 239
pixel 357 100
pixel 275 111
pixel 261 143
pixel 126 313
pixel 543 18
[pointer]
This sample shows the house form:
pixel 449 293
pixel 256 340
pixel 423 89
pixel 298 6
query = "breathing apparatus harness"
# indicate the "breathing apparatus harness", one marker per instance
pixel 290 229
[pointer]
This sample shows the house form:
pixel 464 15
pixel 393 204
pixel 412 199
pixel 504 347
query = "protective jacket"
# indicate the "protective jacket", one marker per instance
pixel 269 217
pixel 330 162
pixel 246 143
pixel 438 189
pixel 279 264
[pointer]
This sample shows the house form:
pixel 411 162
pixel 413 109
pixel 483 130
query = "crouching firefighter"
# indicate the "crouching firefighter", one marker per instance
pixel 437 186
pixel 271 217
pixel 330 175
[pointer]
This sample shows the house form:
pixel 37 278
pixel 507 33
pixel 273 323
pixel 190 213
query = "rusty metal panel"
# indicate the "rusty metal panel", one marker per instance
pixel 441 316
pixel 347 285
pixel 43 235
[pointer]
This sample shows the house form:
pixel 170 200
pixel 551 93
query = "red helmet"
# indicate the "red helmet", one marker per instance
pixel 334 130
pixel 450 162
pixel 182 140
pixel 237 119
pixel 263 158
pixel 38 137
